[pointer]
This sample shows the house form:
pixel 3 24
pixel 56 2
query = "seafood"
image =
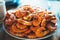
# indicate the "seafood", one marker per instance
pixel 27 22
pixel 43 23
pixel 20 26
pixel 14 29
pixel 50 27
pixel 24 22
pixel 40 32
pixel 36 20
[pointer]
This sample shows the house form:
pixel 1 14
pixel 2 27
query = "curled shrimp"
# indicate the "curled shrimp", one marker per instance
pixel 40 32
pixel 43 23
pixel 41 14
pixel 28 17
pixel 50 27
pixel 34 28
pixel 18 14
pixel 10 19
pixel 36 20
pixel 54 21
pixel 15 29
pixel 20 26
pixel 27 32
pixel 24 22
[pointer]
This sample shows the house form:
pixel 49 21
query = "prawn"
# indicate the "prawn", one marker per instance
pixel 20 26
pixel 43 23
pixel 40 32
pixel 18 14
pixel 24 22
pixel 50 27
pixel 36 20
pixel 16 30
pixel 34 28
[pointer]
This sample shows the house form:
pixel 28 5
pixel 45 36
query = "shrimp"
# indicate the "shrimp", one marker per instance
pixel 28 17
pixel 41 14
pixel 14 29
pixel 31 36
pixel 36 20
pixel 34 28
pixel 50 27
pixel 24 22
pixel 18 14
pixel 28 31
pixel 54 21
pixel 40 32
pixel 43 23
pixel 28 8
pixel 20 26
pixel 8 22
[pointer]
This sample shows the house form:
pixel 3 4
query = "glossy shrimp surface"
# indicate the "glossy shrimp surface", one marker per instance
pixel 27 22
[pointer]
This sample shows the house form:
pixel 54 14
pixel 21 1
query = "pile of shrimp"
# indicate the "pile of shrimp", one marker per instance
pixel 28 22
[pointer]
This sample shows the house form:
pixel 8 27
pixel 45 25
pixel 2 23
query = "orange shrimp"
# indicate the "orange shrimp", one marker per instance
pixel 28 31
pixel 43 23
pixel 31 36
pixel 35 23
pixel 40 33
pixel 24 22
pixel 34 28
pixel 20 26
pixel 28 17
pixel 41 14
pixel 23 13
pixel 14 29
pixel 18 14
pixel 36 20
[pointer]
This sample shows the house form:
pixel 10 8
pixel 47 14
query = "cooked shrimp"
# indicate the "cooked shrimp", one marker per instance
pixel 40 32
pixel 54 21
pixel 20 26
pixel 43 23
pixel 14 29
pixel 50 27
pixel 28 18
pixel 36 20
pixel 28 8
pixel 24 22
pixel 28 31
pixel 34 28
pixel 18 14
pixel 41 14
pixel 8 22
pixel 29 22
